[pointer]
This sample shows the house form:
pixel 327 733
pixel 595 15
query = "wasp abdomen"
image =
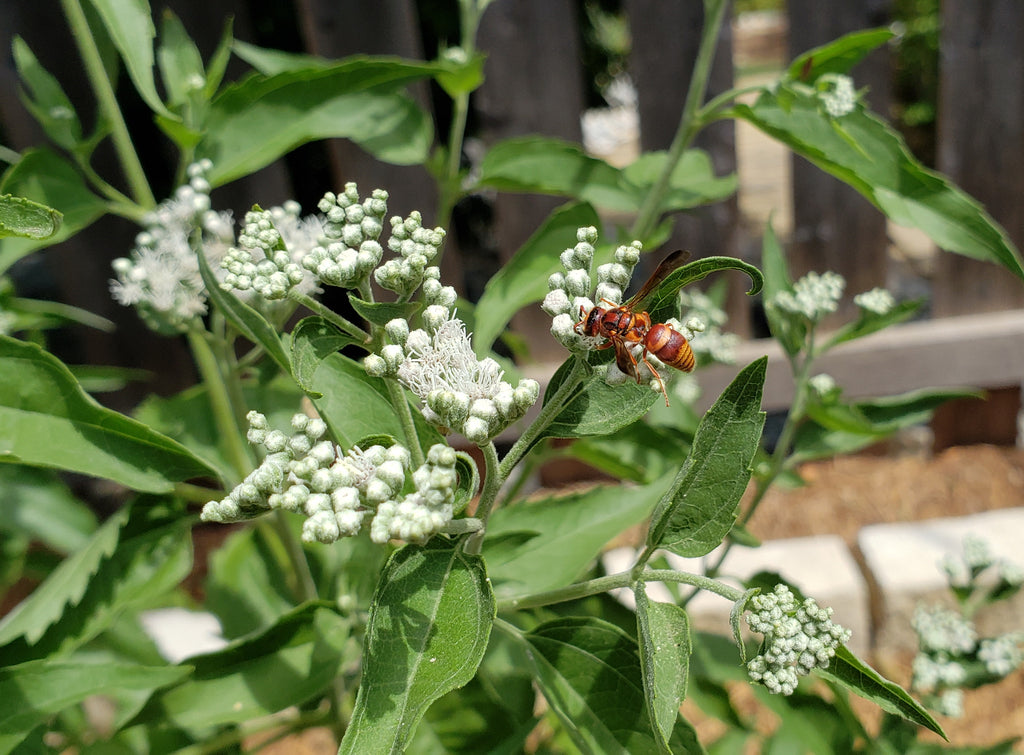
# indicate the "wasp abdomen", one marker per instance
pixel 670 346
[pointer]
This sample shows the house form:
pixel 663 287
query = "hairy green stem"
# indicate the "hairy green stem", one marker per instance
pixel 689 123
pixel 224 414
pixel 106 98
pixel 342 323
pixel 492 484
pixel 404 412
pixel 616 581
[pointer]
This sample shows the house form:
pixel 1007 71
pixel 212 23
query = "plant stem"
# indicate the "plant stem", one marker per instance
pixel 107 101
pixel 616 581
pixel 224 414
pixel 342 323
pixel 549 411
pixel 689 124
pixel 492 484
pixel 401 405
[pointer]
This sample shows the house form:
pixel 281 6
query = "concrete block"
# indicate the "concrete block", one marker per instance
pixel 821 566
pixel 903 563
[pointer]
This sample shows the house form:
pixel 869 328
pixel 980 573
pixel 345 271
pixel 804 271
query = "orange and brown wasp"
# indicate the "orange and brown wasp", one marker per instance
pixel 625 328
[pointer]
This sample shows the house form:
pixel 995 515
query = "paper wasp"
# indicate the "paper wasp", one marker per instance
pixel 627 329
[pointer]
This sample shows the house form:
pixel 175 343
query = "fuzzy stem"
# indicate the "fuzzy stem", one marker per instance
pixel 404 412
pixel 689 123
pixel 107 101
pixel 342 323
pixel 492 484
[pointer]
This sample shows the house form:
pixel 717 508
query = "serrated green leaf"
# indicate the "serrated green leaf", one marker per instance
pixel 852 673
pixel 663 632
pixel 48 104
pixel 38 504
pixel 589 672
pixel 313 340
pixel 523 279
pixel 358 99
pixel 865 152
pixel 44 177
pixel 244 318
pixel 700 507
pixel 693 181
pixel 838 56
pixel 130 26
pixel 639 452
pixel 27 219
pixel 546 544
pixel 31 693
pixel 133 559
pixel 47 420
pixel 429 625
pixel 542 165
pixel 285 664
pixel 383 312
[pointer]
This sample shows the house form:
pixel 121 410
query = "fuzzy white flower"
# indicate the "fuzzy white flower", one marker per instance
pixel 837 94
pixel 814 296
pixel 877 301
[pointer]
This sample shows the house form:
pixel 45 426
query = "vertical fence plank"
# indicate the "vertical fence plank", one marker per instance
pixel 834 228
pixel 666 37
pixel 533 84
pixel 981 141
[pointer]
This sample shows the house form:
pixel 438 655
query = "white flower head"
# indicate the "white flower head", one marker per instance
pixel 814 296
pixel 349 248
pixel 941 630
pixel 837 94
pixel 877 301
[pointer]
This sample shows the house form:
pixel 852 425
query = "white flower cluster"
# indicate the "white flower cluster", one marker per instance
pixel 349 249
pixel 456 391
pixel 877 301
pixel 798 637
pixel 568 295
pixel 338 492
pixel 416 247
pixel 823 384
pixel 1002 655
pixel 950 703
pixel 261 262
pixel 718 345
pixel 837 94
pixel 938 670
pixel 814 296
pixel 940 630
pixel 160 277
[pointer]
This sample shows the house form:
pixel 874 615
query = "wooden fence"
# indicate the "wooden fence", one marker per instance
pixel 535 84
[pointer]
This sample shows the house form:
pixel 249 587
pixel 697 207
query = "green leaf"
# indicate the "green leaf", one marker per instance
pixel 598 408
pixel 639 452
pixel 181 65
pixel 48 104
pixel 460 77
pixel 849 671
pixel 429 625
pixel 244 318
pixel 27 219
pixel 589 672
pixel 45 177
pixel 838 56
pixel 36 503
pixel 789 330
pixel 865 152
pixel 869 322
pixel 542 165
pixel 383 312
pixel 313 340
pixel 256 121
pixel 130 26
pixel 698 510
pixel 523 279
pixel 693 181
pixel 47 420
pixel 134 559
pixel 31 693
pixel 663 303
pixel 548 543
pixel 663 630
pixel 286 664
pixel 355 405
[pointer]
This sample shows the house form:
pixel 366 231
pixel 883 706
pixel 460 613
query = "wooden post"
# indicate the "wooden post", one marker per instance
pixel 666 37
pixel 834 227
pixel 981 141
pixel 533 84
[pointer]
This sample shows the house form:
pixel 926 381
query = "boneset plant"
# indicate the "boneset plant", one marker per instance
pixel 393 583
